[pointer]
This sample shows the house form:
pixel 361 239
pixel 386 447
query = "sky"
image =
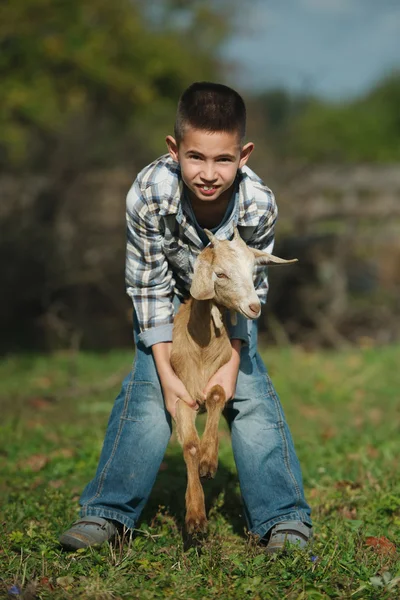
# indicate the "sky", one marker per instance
pixel 337 49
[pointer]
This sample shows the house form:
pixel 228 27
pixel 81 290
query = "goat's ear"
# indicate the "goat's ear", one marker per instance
pixel 202 287
pixel 236 234
pixel 213 240
pixel 264 258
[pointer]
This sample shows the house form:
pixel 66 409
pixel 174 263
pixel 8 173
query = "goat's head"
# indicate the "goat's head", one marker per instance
pixel 224 272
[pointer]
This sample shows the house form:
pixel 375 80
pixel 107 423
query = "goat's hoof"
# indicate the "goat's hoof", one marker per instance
pixel 196 523
pixel 208 469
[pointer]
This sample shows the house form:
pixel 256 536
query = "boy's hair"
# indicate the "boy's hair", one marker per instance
pixel 211 107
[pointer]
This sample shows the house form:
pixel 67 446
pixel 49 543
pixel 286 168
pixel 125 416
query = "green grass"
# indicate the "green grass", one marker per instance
pixel 344 413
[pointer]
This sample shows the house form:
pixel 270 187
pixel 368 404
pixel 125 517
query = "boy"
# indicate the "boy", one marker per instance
pixel 201 183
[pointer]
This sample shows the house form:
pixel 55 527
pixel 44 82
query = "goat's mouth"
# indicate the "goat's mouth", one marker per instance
pixel 249 314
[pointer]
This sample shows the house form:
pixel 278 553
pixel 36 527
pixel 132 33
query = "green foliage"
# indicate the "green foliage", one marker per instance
pixel 366 129
pixel 88 75
pixel 315 130
pixel 343 412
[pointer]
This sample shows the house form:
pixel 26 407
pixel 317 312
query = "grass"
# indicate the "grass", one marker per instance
pixel 344 412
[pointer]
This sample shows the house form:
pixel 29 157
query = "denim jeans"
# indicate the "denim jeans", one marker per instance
pixel 140 427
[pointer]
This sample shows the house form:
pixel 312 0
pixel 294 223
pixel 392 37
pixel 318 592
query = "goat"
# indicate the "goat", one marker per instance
pixel 222 279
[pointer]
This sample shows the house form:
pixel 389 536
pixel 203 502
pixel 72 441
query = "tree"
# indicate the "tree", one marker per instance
pixel 89 78
pixel 84 84
pixel 365 129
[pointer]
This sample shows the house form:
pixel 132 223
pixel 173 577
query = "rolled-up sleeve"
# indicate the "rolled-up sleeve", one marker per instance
pixel 239 331
pixel 149 279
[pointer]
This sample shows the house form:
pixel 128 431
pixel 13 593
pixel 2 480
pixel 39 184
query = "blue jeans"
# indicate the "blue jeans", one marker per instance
pixel 140 427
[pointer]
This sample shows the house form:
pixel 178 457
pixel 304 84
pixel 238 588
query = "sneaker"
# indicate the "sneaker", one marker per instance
pixel 288 532
pixel 88 531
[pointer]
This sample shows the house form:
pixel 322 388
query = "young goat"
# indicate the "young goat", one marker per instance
pixel 222 279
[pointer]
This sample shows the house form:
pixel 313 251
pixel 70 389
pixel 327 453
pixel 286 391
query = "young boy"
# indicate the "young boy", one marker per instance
pixel 201 183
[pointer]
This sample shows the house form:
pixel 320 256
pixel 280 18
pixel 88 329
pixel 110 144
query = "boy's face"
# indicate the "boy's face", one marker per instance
pixel 209 162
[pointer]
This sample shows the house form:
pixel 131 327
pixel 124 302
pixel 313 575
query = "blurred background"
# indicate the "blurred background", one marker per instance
pixel 88 92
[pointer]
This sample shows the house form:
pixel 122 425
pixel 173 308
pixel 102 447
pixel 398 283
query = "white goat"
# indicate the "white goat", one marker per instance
pixel 222 279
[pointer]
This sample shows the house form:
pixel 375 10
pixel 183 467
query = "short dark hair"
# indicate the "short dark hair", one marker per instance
pixel 211 107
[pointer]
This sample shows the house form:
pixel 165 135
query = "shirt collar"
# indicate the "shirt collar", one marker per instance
pixel 173 189
pixel 248 208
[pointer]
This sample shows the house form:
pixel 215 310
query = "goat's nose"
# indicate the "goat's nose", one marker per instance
pixel 254 307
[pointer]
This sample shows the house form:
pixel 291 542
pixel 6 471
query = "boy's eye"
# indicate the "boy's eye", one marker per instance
pixel 195 157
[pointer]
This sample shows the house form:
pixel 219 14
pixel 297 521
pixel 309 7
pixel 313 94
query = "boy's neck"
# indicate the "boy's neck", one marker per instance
pixel 210 214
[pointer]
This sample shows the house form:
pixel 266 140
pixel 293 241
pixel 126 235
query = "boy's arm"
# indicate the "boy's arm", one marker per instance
pixel 172 386
pixel 149 280
pixel 150 284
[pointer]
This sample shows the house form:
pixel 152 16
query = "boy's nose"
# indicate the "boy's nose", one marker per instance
pixel 208 175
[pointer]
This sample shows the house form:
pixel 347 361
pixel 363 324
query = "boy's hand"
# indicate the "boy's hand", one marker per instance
pixel 174 390
pixel 226 376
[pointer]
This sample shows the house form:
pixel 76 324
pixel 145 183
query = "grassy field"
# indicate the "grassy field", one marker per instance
pixel 344 412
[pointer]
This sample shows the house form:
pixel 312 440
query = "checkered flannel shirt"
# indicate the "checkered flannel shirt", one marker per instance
pixel 162 243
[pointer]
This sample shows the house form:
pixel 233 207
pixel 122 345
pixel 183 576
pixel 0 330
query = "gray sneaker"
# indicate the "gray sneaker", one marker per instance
pixel 288 532
pixel 88 531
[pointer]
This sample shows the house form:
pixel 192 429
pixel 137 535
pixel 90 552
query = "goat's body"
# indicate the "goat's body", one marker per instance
pixel 199 349
pixel 222 280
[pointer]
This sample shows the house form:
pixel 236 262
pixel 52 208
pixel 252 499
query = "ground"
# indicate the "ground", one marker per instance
pixel 344 412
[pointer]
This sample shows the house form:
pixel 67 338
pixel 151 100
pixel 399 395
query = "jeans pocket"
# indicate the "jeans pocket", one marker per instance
pixel 143 401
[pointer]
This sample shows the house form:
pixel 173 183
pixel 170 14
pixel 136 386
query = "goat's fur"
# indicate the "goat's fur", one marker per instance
pixel 222 279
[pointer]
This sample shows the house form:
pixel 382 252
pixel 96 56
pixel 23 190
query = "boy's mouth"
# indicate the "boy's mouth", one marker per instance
pixel 207 190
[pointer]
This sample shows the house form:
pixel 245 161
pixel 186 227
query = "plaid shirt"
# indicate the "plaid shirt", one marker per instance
pixel 163 244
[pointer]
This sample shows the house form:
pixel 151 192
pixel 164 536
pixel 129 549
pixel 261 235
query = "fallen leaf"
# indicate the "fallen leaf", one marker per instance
pixel 348 513
pixel 37 482
pixel 375 415
pixel 43 382
pixel 65 581
pixel 35 423
pixel 45 582
pixel 320 386
pixel 63 453
pixel 345 483
pixel 353 456
pixel 328 433
pixel 381 545
pixel 310 412
pixel 313 493
pixel 39 402
pixel 359 394
pixel 35 462
pixel 56 483
pixel 372 452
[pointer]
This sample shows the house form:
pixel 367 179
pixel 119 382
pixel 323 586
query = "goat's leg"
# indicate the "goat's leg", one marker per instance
pixel 215 403
pixel 187 434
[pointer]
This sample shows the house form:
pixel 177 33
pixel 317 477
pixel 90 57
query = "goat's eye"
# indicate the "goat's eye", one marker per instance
pixel 221 276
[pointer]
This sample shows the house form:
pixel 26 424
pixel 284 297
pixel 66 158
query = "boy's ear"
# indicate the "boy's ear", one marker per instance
pixel 245 154
pixel 172 147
